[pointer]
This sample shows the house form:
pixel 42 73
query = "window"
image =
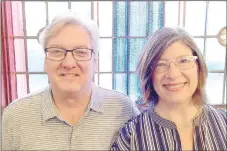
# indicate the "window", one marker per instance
pixel 119 45
pixel 204 19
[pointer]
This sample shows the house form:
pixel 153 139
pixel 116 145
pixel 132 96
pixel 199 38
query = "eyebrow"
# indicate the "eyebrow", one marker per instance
pixel 81 46
pixel 60 46
pixel 55 45
pixel 164 59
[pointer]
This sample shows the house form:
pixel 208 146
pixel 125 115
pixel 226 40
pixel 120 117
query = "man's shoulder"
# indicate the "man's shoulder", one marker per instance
pixel 117 101
pixel 26 102
pixel 107 93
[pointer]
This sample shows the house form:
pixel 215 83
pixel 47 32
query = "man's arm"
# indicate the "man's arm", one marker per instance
pixel 135 109
pixel 6 131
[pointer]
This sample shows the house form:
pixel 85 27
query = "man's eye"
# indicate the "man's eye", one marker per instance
pixel 57 52
pixel 81 52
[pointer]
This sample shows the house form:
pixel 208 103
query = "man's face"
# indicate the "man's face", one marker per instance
pixel 70 75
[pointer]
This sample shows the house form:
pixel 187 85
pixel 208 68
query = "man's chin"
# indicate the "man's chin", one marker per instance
pixel 70 88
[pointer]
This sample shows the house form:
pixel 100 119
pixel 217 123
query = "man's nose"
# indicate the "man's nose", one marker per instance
pixel 69 61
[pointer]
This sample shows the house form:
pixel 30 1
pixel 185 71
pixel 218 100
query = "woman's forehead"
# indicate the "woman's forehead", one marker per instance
pixel 176 50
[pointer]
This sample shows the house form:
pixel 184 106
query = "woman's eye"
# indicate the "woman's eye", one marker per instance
pixel 184 61
pixel 161 64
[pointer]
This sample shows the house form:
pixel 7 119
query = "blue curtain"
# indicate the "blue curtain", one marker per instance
pixel 133 22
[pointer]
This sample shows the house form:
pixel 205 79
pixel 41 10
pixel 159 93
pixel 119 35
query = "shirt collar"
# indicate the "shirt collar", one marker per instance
pixel 50 109
pixel 96 102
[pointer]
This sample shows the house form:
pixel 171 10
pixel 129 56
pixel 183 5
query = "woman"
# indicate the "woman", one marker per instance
pixel 173 74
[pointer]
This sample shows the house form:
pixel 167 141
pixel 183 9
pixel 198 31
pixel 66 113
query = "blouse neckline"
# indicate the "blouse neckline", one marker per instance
pixel 197 121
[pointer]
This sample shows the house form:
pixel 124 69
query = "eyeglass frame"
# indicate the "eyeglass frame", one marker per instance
pixel 68 50
pixel 174 61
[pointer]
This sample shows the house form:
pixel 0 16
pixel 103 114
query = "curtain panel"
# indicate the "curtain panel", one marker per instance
pixel 8 75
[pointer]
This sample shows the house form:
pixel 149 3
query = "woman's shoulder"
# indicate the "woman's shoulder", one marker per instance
pixel 130 127
pixel 135 119
pixel 216 112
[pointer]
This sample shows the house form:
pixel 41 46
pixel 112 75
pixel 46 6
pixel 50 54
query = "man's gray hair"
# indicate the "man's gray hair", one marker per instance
pixel 70 18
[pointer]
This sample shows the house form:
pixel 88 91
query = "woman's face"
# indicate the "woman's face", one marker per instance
pixel 175 85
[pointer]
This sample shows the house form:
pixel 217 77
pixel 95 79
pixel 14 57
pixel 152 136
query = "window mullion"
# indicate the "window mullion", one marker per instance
pixel 25 45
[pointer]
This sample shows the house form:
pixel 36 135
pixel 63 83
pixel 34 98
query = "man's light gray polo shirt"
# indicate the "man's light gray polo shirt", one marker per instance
pixel 33 122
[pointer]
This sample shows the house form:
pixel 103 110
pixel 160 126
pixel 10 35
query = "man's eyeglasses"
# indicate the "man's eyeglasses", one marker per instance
pixel 59 54
pixel 182 63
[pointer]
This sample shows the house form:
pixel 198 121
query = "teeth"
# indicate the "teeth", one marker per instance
pixel 175 86
pixel 69 75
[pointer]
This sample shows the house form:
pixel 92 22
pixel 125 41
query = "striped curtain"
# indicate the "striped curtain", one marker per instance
pixel 133 23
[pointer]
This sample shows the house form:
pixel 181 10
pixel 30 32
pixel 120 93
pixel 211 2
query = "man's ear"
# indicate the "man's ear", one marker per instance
pixel 45 64
pixel 95 67
pixel 96 59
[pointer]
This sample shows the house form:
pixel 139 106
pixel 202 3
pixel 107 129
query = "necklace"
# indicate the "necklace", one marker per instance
pixel 190 123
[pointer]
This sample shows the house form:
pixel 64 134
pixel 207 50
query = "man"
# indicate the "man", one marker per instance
pixel 72 113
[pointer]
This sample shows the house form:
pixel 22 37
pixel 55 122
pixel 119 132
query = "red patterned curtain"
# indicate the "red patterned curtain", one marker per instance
pixel 8 65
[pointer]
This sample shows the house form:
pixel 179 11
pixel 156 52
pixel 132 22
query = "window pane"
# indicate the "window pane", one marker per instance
pixel 136 45
pixel 35 13
pixel 134 87
pixel 95 10
pixel 215 55
pixel 96 79
pixel 105 80
pixel 214 88
pixel 81 8
pixel 105 18
pixel 216 17
pixel 138 19
pixel 36 56
pixel 120 18
pixel 21 85
pixel 225 94
pixel 20 55
pixel 105 55
pixel 120 54
pixel 37 81
pixel 120 82
pixel 17 18
pixel 56 8
pixel 225 97
pixel 156 16
pixel 195 17
pixel 171 13
pixel 200 43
